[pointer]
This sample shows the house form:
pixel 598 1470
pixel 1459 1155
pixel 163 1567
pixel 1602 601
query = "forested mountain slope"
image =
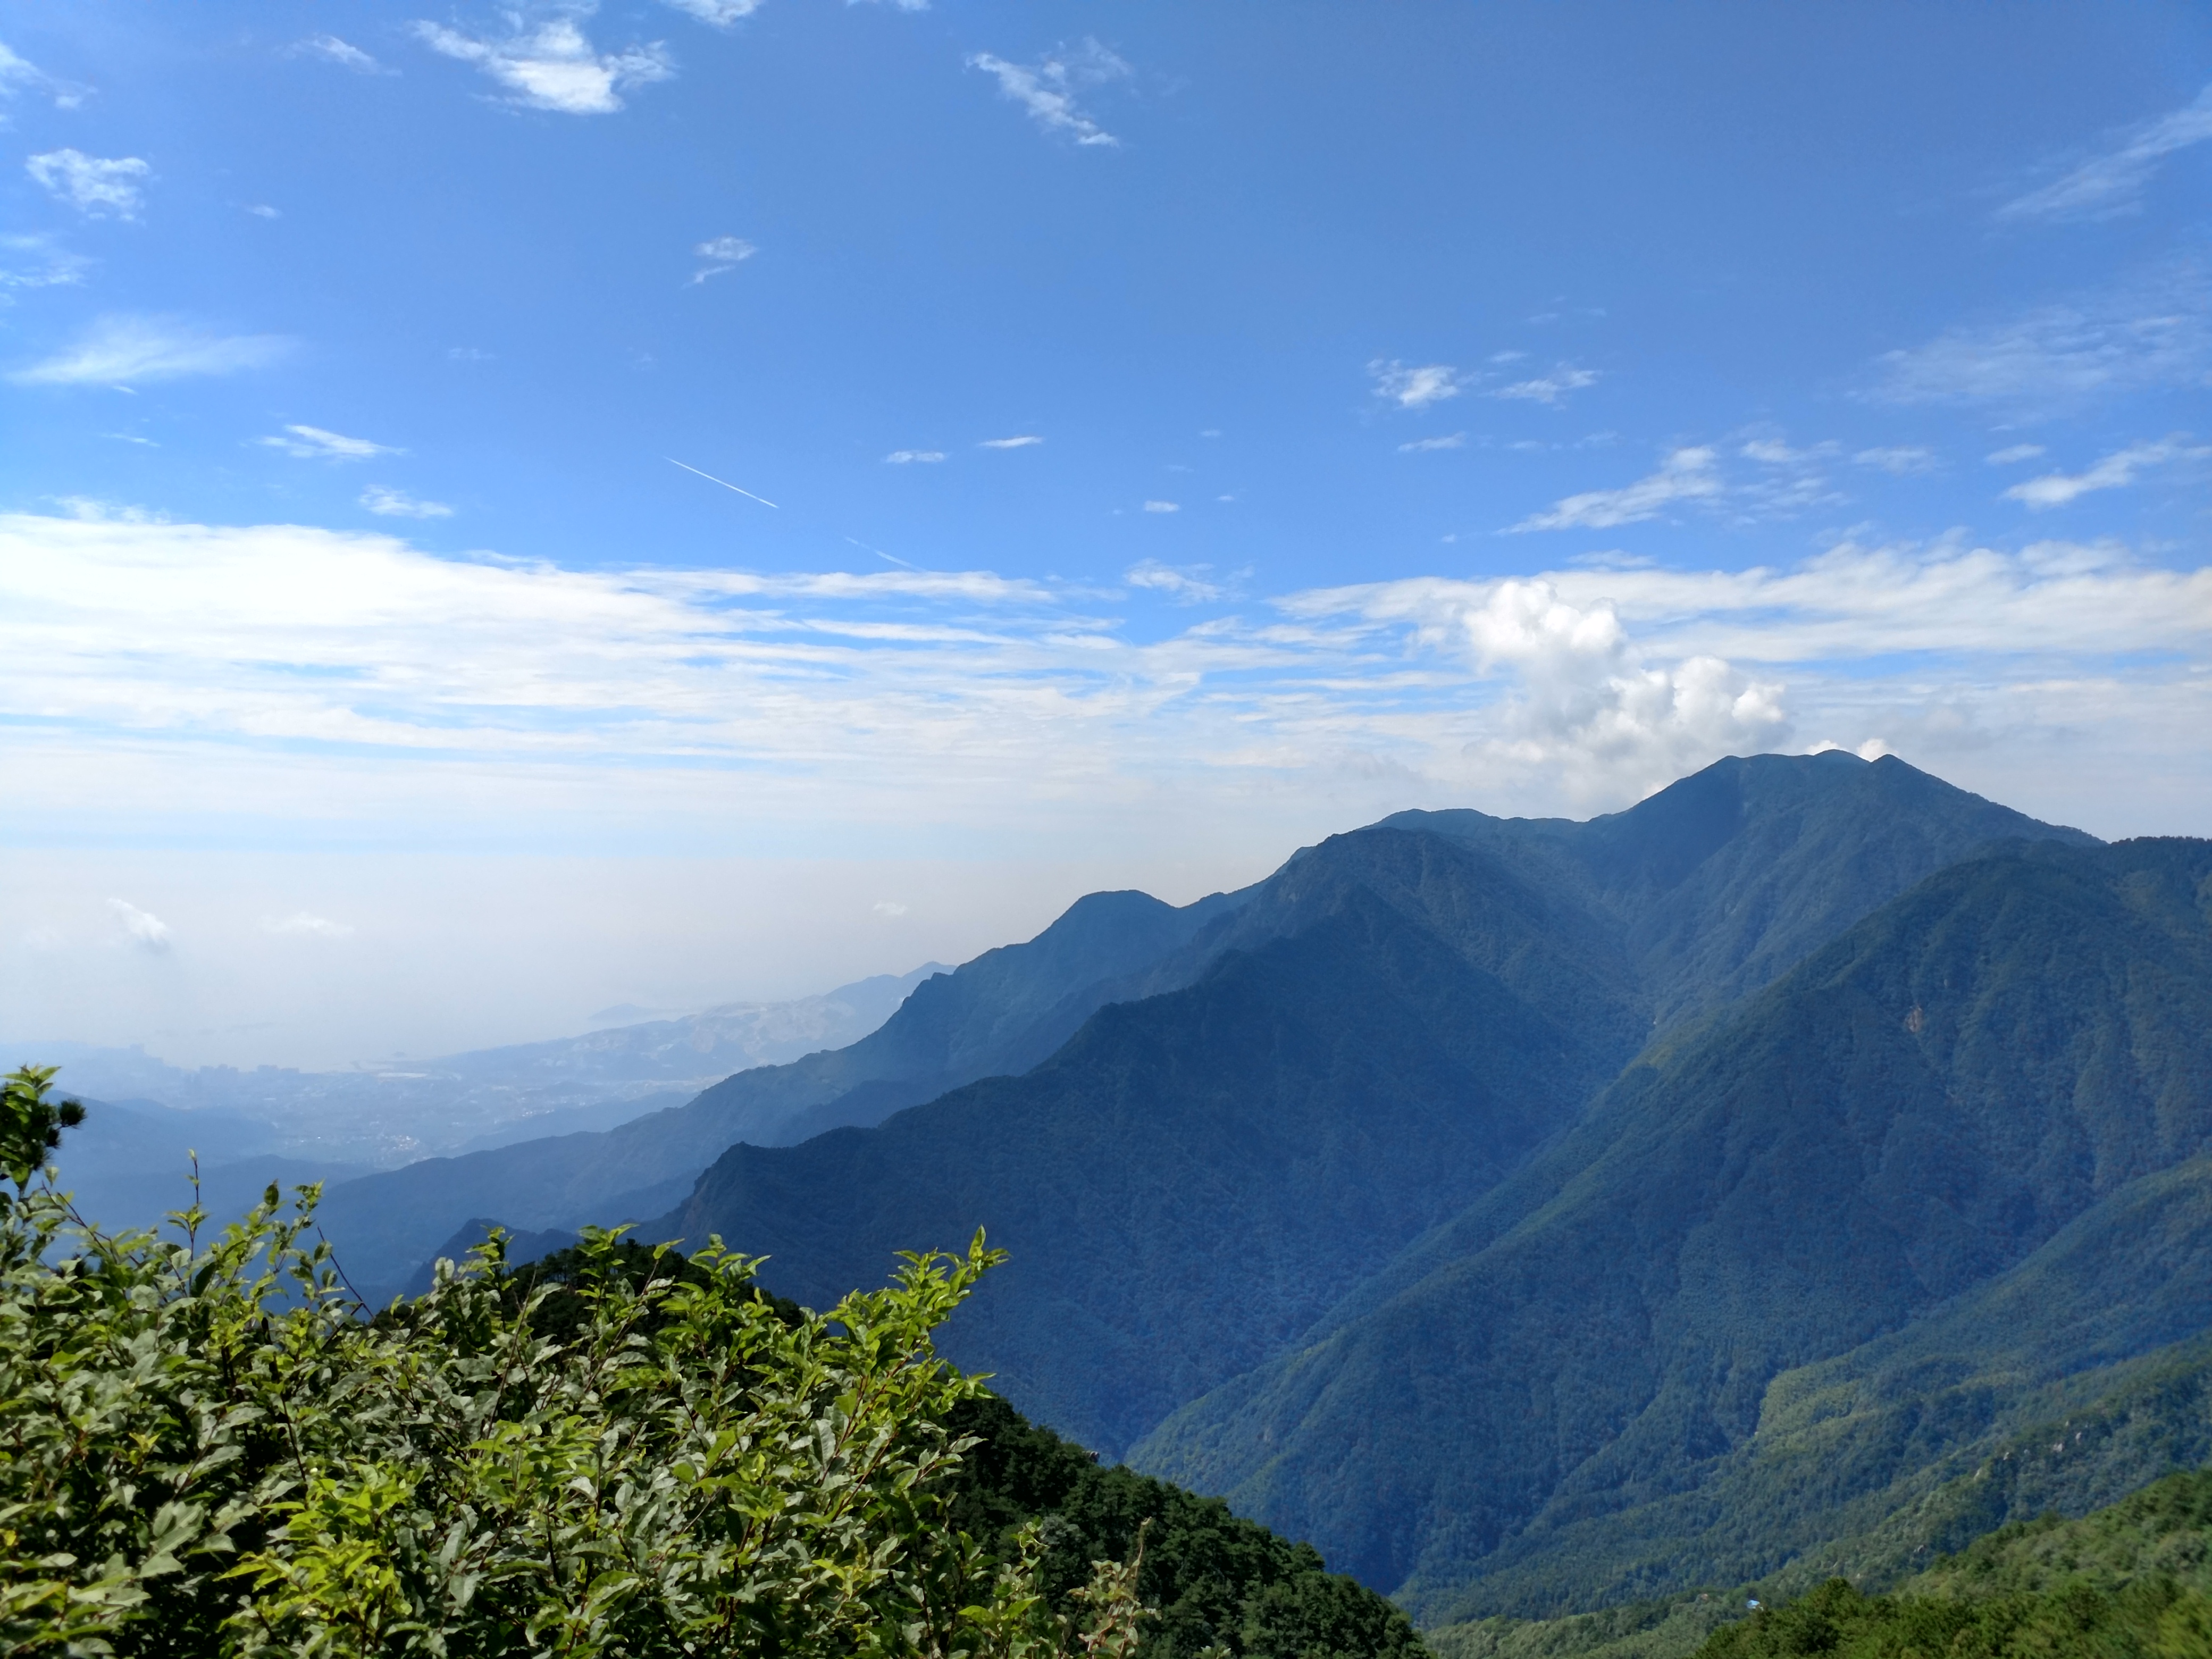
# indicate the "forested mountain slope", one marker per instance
pixel 1003 1012
pixel 1383 1031
pixel 1921 1107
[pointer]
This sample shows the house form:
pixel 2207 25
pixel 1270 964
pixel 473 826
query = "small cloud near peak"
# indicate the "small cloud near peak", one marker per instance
pixel 142 927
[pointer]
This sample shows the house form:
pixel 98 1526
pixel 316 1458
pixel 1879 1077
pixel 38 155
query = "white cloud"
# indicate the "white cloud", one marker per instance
pixel 262 210
pixel 889 908
pixel 1022 442
pixel 398 504
pixel 2116 471
pixel 142 927
pixel 1414 388
pixel 1189 584
pixel 37 261
pixel 1686 475
pixel 721 253
pixel 100 187
pixel 1047 89
pixel 2014 454
pixel 302 924
pixel 554 66
pixel 1902 460
pixel 721 14
pixel 120 349
pixel 1162 507
pixel 1550 389
pixel 313 443
pixel 909 457
pixel 2152 332
pixel 18 74
pixel 332 50
pixel 2112 182
pixel 192 673
pixel 1454 440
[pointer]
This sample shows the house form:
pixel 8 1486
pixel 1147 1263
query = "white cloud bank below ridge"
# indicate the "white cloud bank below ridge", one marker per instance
pixel 309 676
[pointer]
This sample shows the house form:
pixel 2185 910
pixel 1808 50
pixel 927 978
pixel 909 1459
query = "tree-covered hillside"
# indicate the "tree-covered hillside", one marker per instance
pixel 1545 1405
pixel 2131 1582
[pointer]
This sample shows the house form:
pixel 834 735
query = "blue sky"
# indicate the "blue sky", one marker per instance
pixel 1171 433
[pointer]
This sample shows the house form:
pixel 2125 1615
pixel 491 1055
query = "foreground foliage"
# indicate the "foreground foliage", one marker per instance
pixel 205 1449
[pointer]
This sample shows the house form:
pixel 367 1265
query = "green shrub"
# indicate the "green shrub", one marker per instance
pixel 206 1449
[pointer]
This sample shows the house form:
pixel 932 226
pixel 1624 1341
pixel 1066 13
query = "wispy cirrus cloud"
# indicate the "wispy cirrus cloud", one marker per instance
pixel 553 65
pixel 285 668
pixel 39 261
pixel 2115 471
pixel 99 187
pixel 717 14
pixel 2013 454
pixel 390 503
pixel 1689 474
pixel 1422 445
pixel 1187 583
pixel 913 456
pixel 313 443
pixel 2113 181
pixel 1902 460
pixel 332 50
pixel 721 253
pixel 2155 330
pixel 1413 387
pixel 1047 89
pixel 19 74
pixel 1550 389
pixel 1022 441
pixel 117 350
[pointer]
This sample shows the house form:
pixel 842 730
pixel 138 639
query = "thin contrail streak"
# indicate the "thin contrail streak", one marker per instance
pixel 725 482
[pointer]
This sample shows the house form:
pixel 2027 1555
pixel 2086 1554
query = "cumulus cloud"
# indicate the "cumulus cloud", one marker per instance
pixel 1686 475
pixel 332 50
pixel 1452 441
pixel 721 253
pixel 313 443
pixel 398 504
pixel 100 187
pixel 2111 182
pixel 554 66
pixel 1021 442
pixel 142 927
pixel 121 350
pixel 1047 89
pixel 1550 389
pixel 1413 387
pixel 910 457
pixel 2116 471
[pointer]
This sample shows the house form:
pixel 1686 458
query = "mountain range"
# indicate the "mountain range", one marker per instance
pixel 1802 1171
